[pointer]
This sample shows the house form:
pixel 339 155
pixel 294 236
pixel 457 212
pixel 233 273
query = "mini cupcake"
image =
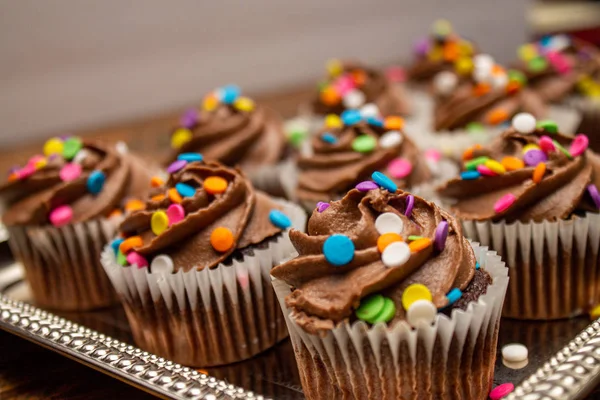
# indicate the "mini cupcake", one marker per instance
pixel 236 131
pixel 532 195
pixel 61 209
pixel 347 150
pixel 388 300
pixel 192 268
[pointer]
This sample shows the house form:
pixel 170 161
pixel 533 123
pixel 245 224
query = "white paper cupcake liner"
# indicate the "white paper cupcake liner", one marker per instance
pixel 209 317
pixel 453 358
pixel 554 267
pixel 62 265
pixel 275 179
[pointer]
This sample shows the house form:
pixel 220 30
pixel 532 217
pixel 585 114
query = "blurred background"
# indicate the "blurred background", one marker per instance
pixel 70 65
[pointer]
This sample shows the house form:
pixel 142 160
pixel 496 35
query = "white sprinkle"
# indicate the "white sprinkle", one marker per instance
pixel 560 42
pixel 421 311
pixel 369 110
pixel 445 82
pixel 80 156
pixel 483 62
pixel 499 81
pixel 515 352
pixel 391 139
pixel 395 254
pixel 354 99
pixel 524 123
pixel 122 147
pixel 162 264
pixel 389 223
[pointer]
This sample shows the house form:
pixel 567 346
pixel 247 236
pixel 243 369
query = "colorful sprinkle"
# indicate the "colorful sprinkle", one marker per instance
pixel 190 157
pixel 351 117
pixel 26 171
pixel 322 206
pixel 53 146
pixel 370 307
pixel 415 292
pixel 548 125
pixel 410 203
pixel 579 145
pixel 95 182
pixel 562 149
pixel 394 123
pixel 515 352
pixel 134 205
pixel 353 99
pixel 156 181
pixel 159 222
pixel 474 127
pixel 175 213
pixel 121 259
pixel 158 198
pixel 70 172
pixel 419 244
pixel 210 103
pixel 400 168
pixel 445 82
pixel 546 144
pixel 174 196
pixel 71 147
pixel 538 172
pixel 500 391
pixel 495 166
pixel 185 190
pixel 386 239
pixel 221 239
pixel 332 121
pixel 389 223
pixel 334 67
pixel 61 215
pixel 130 243
pixel 415 237
pixel 395 254
pixel 485 171
pixel 511 163
pixel 390 139
pixel 369 110
pixel 338 250
pixel 244 104
pixel 441 234
pixel 477 266
pixel 469 153
pixel 329 138
pixel 189 118
pixel 593 191
pixel 279 219
pixel 595 313
pixel 176 166
pixel 453 296
pixel 421 311
pixel 524 123
pixel 180 137
pixel 364 144
pixel 471 165
pixel 162 264
pixel 387 313
pixel 229 93
pixel 215 185
pixel 115 244
pixel 534 157
pixel 137 259
pixel 469 175
pixel 504 203
pixel 365 186
pixel 384 181
pixel 496 117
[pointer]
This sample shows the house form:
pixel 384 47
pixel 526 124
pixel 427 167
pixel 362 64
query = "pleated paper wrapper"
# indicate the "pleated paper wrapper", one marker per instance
pixel 451 359
pixel 62 265
pixel 210 317
pixel 554 267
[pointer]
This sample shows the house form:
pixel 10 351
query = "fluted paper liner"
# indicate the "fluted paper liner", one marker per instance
pixel 553 266
pixel 62 264
pixel 453 358
pixel 274 179
pixel 209 317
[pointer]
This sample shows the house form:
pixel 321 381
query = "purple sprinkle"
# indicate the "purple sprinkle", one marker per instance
pixel 593 191
pixel 421 47
pixel 534 157
pixel 441 233
pixel 322 206
pixel 176 166
pixel 14 168
pixel 189 118
pixel 65 137
pixel 365 186
pixel 410 203
pixel 52 157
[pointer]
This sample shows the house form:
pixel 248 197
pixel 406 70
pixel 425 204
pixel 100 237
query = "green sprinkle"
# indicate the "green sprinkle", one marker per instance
pixel 387 312
pixel 370 307
pixel 518 76
pixel 71 148
pixel 414 237
pixel 562 149
pixel 296 137
pixel 471 165
pixel 321 85
pixel 474 127
pixel 537 64
pixel 547 125
pixel 121 258
pixel 364 144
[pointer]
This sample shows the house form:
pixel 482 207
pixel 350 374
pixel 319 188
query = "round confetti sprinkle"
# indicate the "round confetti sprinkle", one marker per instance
pixel 433 155
pixel 387 312
pixel 115 244
pixel 71 147
pixel 53 146
pixel 162 264
pixel 579 145
pixel 364 144
pixel 546 144
pixel 386 239
pixel 159 222
pixel 174 196
pixel 136 259
pixel 538 172
pixel 121 259
pixel 175 213
pixel 453 296
pixel 384 181
pixel 389 223
pixel 61 215
pixel 514 352
pixel 244 104
pixel 279 219
pixel 469 175
pixel 593 191
pixel 421 311
pixel 471 165
pixel 70 172
pixel 410 203
pixel 328 138
pixel 322 206
pixel 338 249
pixel 534 157
pixel 210 103
pixel 189 118
pixel 595 313
pixel 394 123
pixel 215 184
pixel 81 156
pixel 419 244
pixel 221 239
pixel 504 203
pixel 353 99
pixel 365 186
pixel 351 117
pixel 500 391
pixel 395 254
pixel 400 168
pixel 415 292
pixel 415 237
pixel 369 110
pixel 229 93
pixel 391 139
pixel 158 198
pixel 185 190
pixel 370 307
pixel 176 166
pixel 180 137
pixel 134 205
pixel 190 157
pixel 441 234
pixel 511 163
pixel 445 82
pixel 130 243
pixel 156 181
pixel 95 182
pixel 332 121
pixel 524 123
pixel 485 171
pixel 548 125
pixel 495 166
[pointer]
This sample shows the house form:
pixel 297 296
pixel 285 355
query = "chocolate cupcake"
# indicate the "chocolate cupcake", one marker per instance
pixel 236 131
pixel 61 209
pixel 347 150
pixel 387 299
pixel 192 268
pixel 532 195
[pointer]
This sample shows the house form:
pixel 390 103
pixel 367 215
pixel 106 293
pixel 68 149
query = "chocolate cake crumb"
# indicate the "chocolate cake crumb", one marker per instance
pixel 477 287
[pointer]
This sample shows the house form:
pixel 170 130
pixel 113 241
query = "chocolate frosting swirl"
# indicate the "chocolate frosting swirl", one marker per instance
pixel 31 198
pixel 561 192
pixel 334 168
pixel 324 295
pixel 241 209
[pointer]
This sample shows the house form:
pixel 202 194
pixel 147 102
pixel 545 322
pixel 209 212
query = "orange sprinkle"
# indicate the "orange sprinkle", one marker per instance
pixel 13 177
pixel 130 243
pixel 513 87
pixel 419 244
pixel 497 70
pixel 359 77
pixel 451 51
pixel 481 89
pixel 156 182
pixel 158 197
pixel 115 213
pixel 394 123
pixel 221 239
pixel 538 172
pixel 134 205
pixel 386 239
pixel 174 196
pixel 330 97
pixel 511 163
pixel 468 154
pixel 202 371
pixel 215 184
pixel 497 116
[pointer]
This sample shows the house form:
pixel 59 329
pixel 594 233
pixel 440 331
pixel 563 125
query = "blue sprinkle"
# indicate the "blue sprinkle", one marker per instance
pixel 469 175
pixel 351 117
pixel 477 266
pixel 95 182
pixel 328 138
pixel 279 219
pixel 185 190
pixel 338 250
pixel 115 245
pixel 454 295
pixel 190 157
pixel 230 93
pixel 384 181
pixel 374 121
pixel 546 40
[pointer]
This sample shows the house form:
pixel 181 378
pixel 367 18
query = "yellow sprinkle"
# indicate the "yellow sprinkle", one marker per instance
pixel 159 222
pixel 436 54
pixel 41 163
pixel 527 52
pixel 244 104
pixel 495 166
pixel 415 292
pixel 332 121
pixel 180 137
pixel 595 313
pixel 463 66
pixel 210 103
pixel 530 146
pixel 53 146
pixel 465 48
pixel 334 67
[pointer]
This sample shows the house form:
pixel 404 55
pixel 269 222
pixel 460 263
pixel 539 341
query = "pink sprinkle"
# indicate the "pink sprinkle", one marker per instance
pixel 501 390
pixel 579 145
pixel 399 168
pixel 134 258
pixel 176 213
pixel 483 170
pixel 395 74
pixel 344 84
pixel 504 203
pixel 61 215
pixel 35 159
pixel 546 144
pixel 70 172
pixel 26 171
pixel 433 155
